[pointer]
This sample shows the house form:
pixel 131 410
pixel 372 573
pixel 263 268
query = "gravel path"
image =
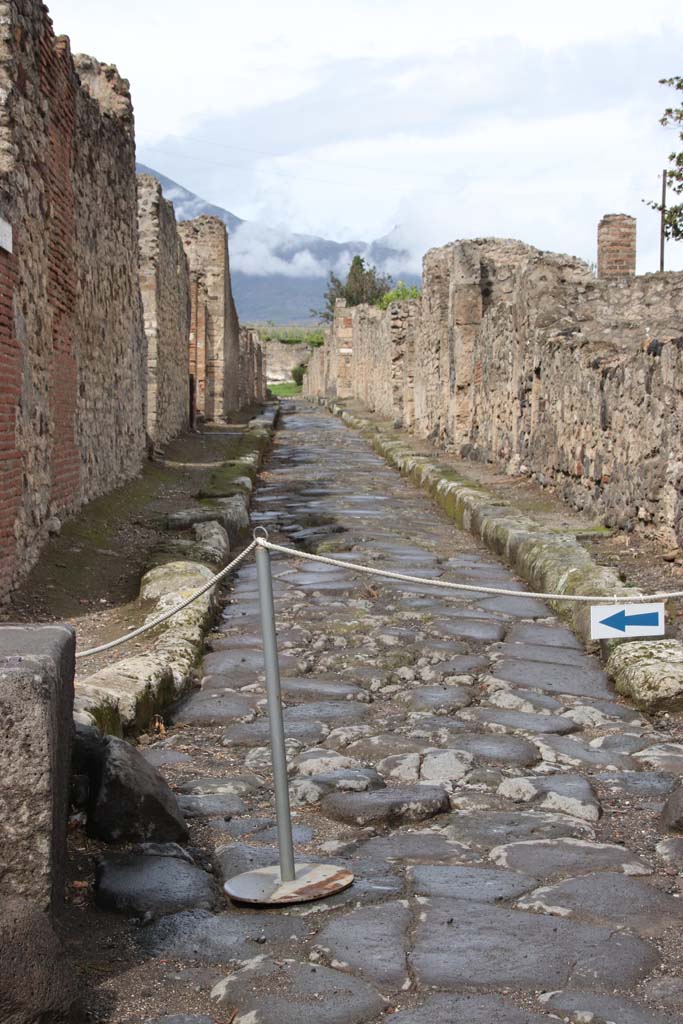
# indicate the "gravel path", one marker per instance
pixel 461 755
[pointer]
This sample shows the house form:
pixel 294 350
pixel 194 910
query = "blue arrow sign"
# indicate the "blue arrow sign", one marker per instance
pixel 610 621
pixel 621 621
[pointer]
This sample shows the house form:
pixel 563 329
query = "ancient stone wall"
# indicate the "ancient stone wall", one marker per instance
pixel 284 357
pixel 71 329
pixel 165 289
pixel 252 370
pixel 214 316
pixel 525 359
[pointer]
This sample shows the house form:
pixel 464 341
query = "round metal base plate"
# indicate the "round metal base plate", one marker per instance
pixel 264 886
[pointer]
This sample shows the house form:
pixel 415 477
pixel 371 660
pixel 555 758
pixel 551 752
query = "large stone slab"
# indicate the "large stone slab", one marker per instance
pixel 467 1009
pixel 547 857
pixel 440 698
pixel 482 885
pixel 609 898
pixel 149 886
pixel 520 721
pixel 213 708
pixel 554 678
pixel 461 944
pixel 395 806
pixel 463 628
pixel 503 750
pixel 286 992
pixel 372 942
pixel 579 1007
pixel 551 636
pixel 133 801
pixel 486 829
pixel 568 794
pixel 415 847
pixel 218 938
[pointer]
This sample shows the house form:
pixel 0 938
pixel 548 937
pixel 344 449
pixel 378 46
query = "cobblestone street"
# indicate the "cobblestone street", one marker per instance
pixel 461 754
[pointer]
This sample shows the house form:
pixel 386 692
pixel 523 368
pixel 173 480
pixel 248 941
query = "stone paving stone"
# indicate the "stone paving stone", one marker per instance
pixel 211 805
pixel 547 857
pixel 547 653
pixel 535 633
pixel 149 886
pixel 567 794
pixel 461 944
pixel 665 757
pixel 553 677
pixel 569 751
pixel 492 749
pixel 372 942
pixel 462 628
pixel 486 829
pixel 518 698
pixel 519 721
pixel 240 785
pixel 394 806
pixel 374 748
pixel 216 708
pixel 519 607
pixel 582 1007
pixel 671 852
pixel 312 788
pixel 217 938
pixel 181 1018
pixel 440 698
pixel 161 756
pixel 644 784
pixel 307 688
pixel 467 1009
pixel 482 885
pixel 416 847
pixel 609 898
pixel 257 734
pixel 462 664
pixel 286 992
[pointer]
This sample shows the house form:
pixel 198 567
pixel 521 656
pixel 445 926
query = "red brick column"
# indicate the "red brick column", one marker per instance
pixel 617 246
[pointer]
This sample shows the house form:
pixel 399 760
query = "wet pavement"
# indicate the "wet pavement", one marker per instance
pixel 460 753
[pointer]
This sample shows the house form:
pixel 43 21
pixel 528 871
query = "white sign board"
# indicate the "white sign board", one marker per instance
pixel 5 235
pixel 610 621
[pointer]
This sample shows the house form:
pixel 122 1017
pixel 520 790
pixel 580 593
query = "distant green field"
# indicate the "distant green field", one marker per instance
pixel 287 390
pixel 291 334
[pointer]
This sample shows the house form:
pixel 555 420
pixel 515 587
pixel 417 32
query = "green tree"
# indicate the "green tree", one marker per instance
pixel 673 118
pixel 364 283
pixel 400 293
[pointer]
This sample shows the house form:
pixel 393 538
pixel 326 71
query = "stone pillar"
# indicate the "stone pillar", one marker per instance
pixel 617 246
pixel 36 725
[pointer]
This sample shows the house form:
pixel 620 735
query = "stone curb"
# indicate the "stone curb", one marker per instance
pixel 649 672
pixel 123 697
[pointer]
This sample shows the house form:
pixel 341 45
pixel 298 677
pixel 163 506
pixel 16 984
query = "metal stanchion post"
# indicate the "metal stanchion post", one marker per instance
pixel 277 729
pixel 287 882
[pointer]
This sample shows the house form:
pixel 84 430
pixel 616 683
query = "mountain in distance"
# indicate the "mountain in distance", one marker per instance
pixel 277 275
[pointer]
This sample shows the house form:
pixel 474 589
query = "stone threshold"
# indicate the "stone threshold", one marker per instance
pixel 123 698
pixel 649 672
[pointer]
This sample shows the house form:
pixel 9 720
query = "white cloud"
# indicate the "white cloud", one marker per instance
pixel 451 119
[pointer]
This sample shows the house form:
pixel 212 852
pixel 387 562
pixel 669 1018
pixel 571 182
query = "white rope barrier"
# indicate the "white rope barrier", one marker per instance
pixel 262 541
pixel 173 611
pixel 448 585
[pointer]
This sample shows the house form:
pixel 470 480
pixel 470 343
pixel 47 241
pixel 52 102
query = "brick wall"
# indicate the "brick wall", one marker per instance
pixel 165 288
pixel 71 333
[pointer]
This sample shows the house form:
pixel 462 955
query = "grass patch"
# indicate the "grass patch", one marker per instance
pixel 286 390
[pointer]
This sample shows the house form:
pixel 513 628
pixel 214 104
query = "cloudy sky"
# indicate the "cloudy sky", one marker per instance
pixel 526 119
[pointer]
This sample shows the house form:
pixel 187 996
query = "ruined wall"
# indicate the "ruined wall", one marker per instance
pixel 525 359
pixel 283 358
pixel 71 330
pixel 165 289
pixel 252 370
pixel 214 315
